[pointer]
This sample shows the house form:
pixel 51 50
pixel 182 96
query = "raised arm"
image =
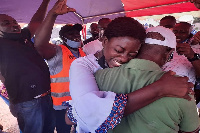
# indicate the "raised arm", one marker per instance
pixel 38 17
pixel 43 34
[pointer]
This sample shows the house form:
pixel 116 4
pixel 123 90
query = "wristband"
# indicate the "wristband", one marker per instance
pixel 196 57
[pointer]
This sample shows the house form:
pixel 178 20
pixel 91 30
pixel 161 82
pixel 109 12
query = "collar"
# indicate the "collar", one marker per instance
pixel 102 62
pixel 142 64
pixel 101 59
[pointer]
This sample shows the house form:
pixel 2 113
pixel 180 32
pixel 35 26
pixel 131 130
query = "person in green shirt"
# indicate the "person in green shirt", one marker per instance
pixel 166 115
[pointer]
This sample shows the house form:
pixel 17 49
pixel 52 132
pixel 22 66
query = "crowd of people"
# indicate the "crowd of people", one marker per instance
pixel 123 79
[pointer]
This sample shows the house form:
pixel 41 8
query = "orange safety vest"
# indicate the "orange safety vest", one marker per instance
pixel 60 82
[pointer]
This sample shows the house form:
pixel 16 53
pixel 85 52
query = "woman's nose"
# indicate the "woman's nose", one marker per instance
pixel 124 59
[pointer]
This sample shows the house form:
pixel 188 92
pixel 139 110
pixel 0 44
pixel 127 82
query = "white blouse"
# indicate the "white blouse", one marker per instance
pixel 91 107
pixel 182 66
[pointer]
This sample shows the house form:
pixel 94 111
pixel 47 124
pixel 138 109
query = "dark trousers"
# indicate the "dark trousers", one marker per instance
pixel 61 126
pixel 35 116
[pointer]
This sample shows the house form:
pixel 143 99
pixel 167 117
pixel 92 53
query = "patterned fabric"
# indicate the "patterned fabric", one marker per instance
pixel 65 103
pixel 155 117
pixel 3 91
pixel 69 111
pixel 116 114
pixel 70 115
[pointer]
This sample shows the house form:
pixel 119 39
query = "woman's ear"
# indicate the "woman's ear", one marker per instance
pixel 105 41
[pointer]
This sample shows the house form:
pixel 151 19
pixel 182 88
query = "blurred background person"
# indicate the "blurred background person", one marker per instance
pixel 94 32
pixel 168 22
pixel 96 45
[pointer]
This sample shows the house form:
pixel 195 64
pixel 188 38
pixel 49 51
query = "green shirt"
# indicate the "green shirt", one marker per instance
pixel 165 115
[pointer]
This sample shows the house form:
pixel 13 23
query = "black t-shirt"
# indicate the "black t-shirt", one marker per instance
pixel 25 72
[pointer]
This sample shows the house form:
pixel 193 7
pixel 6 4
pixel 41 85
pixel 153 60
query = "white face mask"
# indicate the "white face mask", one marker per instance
pixel 73 44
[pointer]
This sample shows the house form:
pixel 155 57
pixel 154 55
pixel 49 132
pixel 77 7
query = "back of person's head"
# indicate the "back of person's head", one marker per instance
pixel 168 22
pixel 102 25
pixel 159 45
pixel 172 18
pixel 103 22
pixel 94 29
pixel 125 27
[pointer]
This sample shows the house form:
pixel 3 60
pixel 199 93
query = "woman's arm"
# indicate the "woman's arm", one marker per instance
pixel 94 108
pixel 168 85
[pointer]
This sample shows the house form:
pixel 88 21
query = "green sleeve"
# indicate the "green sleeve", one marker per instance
pixel 190 118
pixel 112 79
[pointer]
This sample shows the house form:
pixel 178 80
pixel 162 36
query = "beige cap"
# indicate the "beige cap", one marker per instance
pixel 170 38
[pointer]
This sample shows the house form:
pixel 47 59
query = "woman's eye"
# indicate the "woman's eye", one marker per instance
pixel 118 51
pixel 132 55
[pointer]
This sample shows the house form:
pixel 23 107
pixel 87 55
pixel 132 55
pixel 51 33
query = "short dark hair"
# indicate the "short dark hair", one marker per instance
pixel 104 20
pixel 169 17
pixel 69 27
pixel 125 26
pixel 185 23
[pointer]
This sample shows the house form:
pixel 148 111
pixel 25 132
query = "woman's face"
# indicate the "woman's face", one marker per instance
pixel 120 50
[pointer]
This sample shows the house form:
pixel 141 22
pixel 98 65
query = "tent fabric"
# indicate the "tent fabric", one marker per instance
pixel 88 11
pixel 156 7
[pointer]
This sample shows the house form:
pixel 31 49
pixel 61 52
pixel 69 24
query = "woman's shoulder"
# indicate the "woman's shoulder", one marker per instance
pixel 87 62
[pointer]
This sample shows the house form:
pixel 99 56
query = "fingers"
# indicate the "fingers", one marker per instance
pixel 197 38
pixel 190 85
pixel 61 2
pixel 71 10
pixel 61 8
pixel 187 97
pixel 185 50
pixel 175 86
pixel 191 92
pixel 186 79
pixel 171 73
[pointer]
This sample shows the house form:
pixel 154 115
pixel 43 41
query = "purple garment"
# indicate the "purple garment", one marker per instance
pixel 3 91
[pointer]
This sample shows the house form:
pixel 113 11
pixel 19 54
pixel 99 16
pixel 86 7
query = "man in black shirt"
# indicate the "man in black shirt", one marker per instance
pixel 25 74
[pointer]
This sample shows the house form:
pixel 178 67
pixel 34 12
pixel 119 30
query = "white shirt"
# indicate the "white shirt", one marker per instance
pixel 92 47
pixel 182 66
pixel 91 107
